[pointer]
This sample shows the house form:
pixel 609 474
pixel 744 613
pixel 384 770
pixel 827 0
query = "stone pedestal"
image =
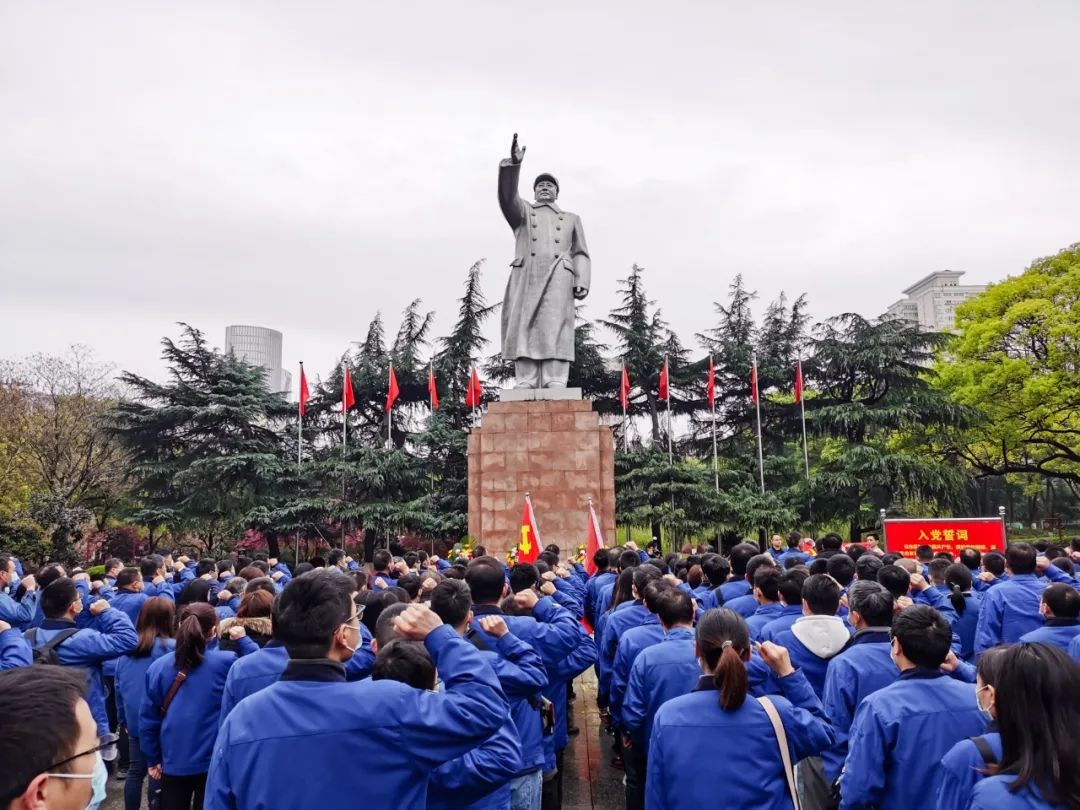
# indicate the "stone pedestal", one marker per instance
pixel 558 452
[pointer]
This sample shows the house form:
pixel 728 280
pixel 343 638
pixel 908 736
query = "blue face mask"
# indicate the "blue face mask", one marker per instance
pixel 99 782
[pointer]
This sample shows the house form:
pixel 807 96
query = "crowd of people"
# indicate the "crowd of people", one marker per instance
pixel 808 675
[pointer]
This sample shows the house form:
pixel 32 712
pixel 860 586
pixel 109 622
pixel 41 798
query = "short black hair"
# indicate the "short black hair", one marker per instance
pixel 971 558
pixel 767 580
pixel 924 635
pixel 832 542
pixel 384 626
pixel 994 563
pixel 113 562
pixel 716 569
pixel 652 591
pixel 381 560
pixel 601 559
pixel 936 569
pixel 841 568
pixel 1065 564
pixel 410 583
pixel 335 556
pixel 58 597
pixel 127 577
pixel 895 579
pixel 740 555
pixel 303 568
pixel 224 565
pixel 867 567
pixel 821 594
pixel 486 580
pixel 643 575
pixel 793 539
pixel 756 562
pixel 674 606
pixel 202 567
pixel 820 565
pixel 872 601
pixel 149 566
pixel 1063 600
pixel 310 610
pixel 1020 557
pixel 451 601
pixel 405 661
pixel 791 584
pixel 28 749
pixel 524 576
pixel 924 552
pixel 628 559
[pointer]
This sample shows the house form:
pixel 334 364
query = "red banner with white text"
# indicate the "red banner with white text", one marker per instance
pixel 904 535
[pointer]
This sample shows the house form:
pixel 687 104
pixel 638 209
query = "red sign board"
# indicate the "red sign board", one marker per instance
pixel 903 536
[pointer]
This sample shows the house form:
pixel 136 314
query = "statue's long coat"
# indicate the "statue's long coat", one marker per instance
pixel 550 260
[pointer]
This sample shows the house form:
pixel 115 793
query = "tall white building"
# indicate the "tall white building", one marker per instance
pixel 931 302
pixel 259 346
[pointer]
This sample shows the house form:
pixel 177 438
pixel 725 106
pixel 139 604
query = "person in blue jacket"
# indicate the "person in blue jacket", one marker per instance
pixel 179 714
pixel 993 571
pixel 1036 703
pixel 736 584
pixel 18 614
pixel 747 604
pixel 14 651
pixel 973 758
pixel 660 672
pixel 1060 607
pixel 966 603
pixel 1011 609
pixel 635 640
pixel 108 634
pixel 155 626
pixel 522 676
pixel 790 590
pixel 862 667
pixel 744 767
pixel 793 552
pixel 1074 649
pixel 605 593
pixel 375 741
pixel 619 621
pixel 777 548
pixel 901 732
pixel 820 634
pixel 767 595
pixel 604 576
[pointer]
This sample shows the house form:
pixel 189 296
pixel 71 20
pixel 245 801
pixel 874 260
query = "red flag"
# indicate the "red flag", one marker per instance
pixel 304 394
pixel 529 542
pixel 594 542
pixel 624 389
pixel 664 381
pixel 392 391
pixel 798 381
pixel 475 392
pixel 348 398
pixel 753 383
pixel 433 392
pixel 711 387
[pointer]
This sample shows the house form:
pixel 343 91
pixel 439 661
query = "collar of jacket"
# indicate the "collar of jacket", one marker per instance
pixel 487 610
pixel 705 683
pixel 869 635
pixel 921 673
pixel 550 205
pixel 56 624
pixel 314 669
pixel 676 633
pixel 1062 622
pixel 274 643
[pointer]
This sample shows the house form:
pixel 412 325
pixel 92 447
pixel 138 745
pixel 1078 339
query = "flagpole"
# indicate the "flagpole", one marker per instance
pixel 667 373
pixel 299 450
pixel 344 440
pixel 389 416
pixel 806 448
pixel 757 405
pixel 715 462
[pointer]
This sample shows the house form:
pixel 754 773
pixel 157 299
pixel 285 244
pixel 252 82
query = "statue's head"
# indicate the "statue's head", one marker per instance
pixel 546 188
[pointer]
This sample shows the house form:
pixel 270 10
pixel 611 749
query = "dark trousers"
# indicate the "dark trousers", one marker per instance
pixel 633 758
pixel 551 794
pixel 114 723
pixel 134 781
pixel 182 792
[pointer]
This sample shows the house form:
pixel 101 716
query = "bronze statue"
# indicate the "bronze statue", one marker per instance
pixel 550 270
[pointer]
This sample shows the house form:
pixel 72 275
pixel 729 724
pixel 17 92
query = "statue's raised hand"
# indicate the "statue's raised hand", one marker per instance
pixel 516 152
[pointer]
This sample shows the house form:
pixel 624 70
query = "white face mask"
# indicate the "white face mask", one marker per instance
pixel 99 780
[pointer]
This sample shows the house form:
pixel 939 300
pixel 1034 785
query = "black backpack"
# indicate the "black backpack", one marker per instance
pixel 46 653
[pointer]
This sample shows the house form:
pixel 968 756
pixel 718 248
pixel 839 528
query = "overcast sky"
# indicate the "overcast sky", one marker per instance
pixel 302 165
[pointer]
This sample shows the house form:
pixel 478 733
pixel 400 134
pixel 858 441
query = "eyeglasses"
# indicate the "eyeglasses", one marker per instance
pixel 106 747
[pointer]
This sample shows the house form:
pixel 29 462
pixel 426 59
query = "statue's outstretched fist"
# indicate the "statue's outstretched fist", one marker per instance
pixel 516 152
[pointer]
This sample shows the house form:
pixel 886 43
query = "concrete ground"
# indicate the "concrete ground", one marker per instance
pixel 589 781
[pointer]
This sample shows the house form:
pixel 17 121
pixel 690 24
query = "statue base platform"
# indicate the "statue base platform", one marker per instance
pixel 555 449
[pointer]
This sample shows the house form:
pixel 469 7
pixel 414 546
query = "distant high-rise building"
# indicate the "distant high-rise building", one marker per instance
pixel 259 346
pixel 931 302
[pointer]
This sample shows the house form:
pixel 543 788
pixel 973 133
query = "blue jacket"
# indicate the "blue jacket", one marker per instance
pixel 14 650
pixel 790 554
pixel 1074 648
pixel 131 683
pixel 604 593
pixel 743 740
pixel 262 668
pixel 811 642
pixel 19 615
pixel 479 780
pixel 109 635
pixel 762 616
pixel 992 793
pixel 899 736
pixel 983 587
pixel 1059 632
pixel 746 606
pixel 860 669
pixel 965 624
pixel 560 674
pixel 1009 611
pixel 130 603
pixel 788 616
pixel 733 589
pixel 659 673
pixel 379 740
pixel 618 622
pixel 961 769
pixel 629 648
pixel 592 593
pixel 183 740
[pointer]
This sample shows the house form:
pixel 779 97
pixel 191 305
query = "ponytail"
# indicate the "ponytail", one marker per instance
pixel 958 578
pixel 724 641
pixel 196 622
pixel 957 598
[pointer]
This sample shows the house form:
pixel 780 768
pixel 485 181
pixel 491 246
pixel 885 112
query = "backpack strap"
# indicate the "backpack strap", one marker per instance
pixel 785 753
pixel 178 681
pixel 476 639
pixel 985 751
pixel 51 644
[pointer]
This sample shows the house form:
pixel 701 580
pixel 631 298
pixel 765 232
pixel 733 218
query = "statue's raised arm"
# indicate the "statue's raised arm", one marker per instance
pixel 509 172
